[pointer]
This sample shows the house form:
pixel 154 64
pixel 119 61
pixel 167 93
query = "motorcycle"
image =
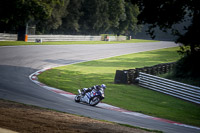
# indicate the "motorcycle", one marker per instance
pixel 92 98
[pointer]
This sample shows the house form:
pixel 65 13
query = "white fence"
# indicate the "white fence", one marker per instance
pixel 45 38
pixel 170 87
pixel 8 37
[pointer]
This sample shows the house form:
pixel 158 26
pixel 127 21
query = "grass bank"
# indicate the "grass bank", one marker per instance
pixel 31 119
pixel 189 80
pixel 16 43
pixel 130 97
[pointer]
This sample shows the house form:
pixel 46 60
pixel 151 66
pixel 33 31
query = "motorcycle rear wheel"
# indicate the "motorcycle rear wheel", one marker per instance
pixel 95 100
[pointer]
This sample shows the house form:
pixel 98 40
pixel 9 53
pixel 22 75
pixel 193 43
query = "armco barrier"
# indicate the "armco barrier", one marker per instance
pixel 45 38
pixel 173 88
pixel 8 37
pixel 117 38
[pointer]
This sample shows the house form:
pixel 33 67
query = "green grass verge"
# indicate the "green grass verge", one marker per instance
pixel 130 97
pixel 188 80
pixel 16 43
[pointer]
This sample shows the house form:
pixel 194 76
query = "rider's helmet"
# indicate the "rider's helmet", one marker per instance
pixel 103 86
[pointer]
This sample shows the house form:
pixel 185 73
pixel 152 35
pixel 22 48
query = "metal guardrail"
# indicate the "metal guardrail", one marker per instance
pixel 8 37
pixel 170 87
pixel 44 38
pixel 117 38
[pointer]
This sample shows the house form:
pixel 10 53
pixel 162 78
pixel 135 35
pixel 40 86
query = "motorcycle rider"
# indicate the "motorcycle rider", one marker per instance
pixel 96 87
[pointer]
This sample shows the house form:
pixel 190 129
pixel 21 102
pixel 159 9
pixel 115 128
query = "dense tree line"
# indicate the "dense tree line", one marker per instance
pixel 16 13
pixel 70 16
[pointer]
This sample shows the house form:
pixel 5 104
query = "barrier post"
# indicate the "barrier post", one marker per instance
pixel 26 38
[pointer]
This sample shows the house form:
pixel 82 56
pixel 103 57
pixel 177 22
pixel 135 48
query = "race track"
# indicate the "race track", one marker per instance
pixel 18 62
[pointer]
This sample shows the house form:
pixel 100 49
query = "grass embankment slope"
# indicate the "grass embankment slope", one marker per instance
pixel 130 97
pixel 17 43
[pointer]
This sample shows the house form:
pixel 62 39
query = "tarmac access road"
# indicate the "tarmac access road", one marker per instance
pixel 18 62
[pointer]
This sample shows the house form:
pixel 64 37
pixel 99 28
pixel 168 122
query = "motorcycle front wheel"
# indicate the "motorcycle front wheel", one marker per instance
pixel 77 98
pixel 94 101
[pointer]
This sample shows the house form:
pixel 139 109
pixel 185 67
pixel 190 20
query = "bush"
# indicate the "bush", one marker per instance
pixel 188 66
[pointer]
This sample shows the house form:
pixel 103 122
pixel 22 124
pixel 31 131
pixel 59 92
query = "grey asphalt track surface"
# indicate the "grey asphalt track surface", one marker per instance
pixel 18 62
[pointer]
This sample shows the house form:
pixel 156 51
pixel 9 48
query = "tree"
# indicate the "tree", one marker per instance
pixel 191 37
pixel 99 16
pixel 53 22
pixel 116 14
pixel 70 16
pixel 102 17
pixel 70 23
pixel 129 25
pixel 16 13
pixel 95 17
pixel 166 13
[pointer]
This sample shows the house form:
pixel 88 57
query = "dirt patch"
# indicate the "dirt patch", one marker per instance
pixel 23 118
